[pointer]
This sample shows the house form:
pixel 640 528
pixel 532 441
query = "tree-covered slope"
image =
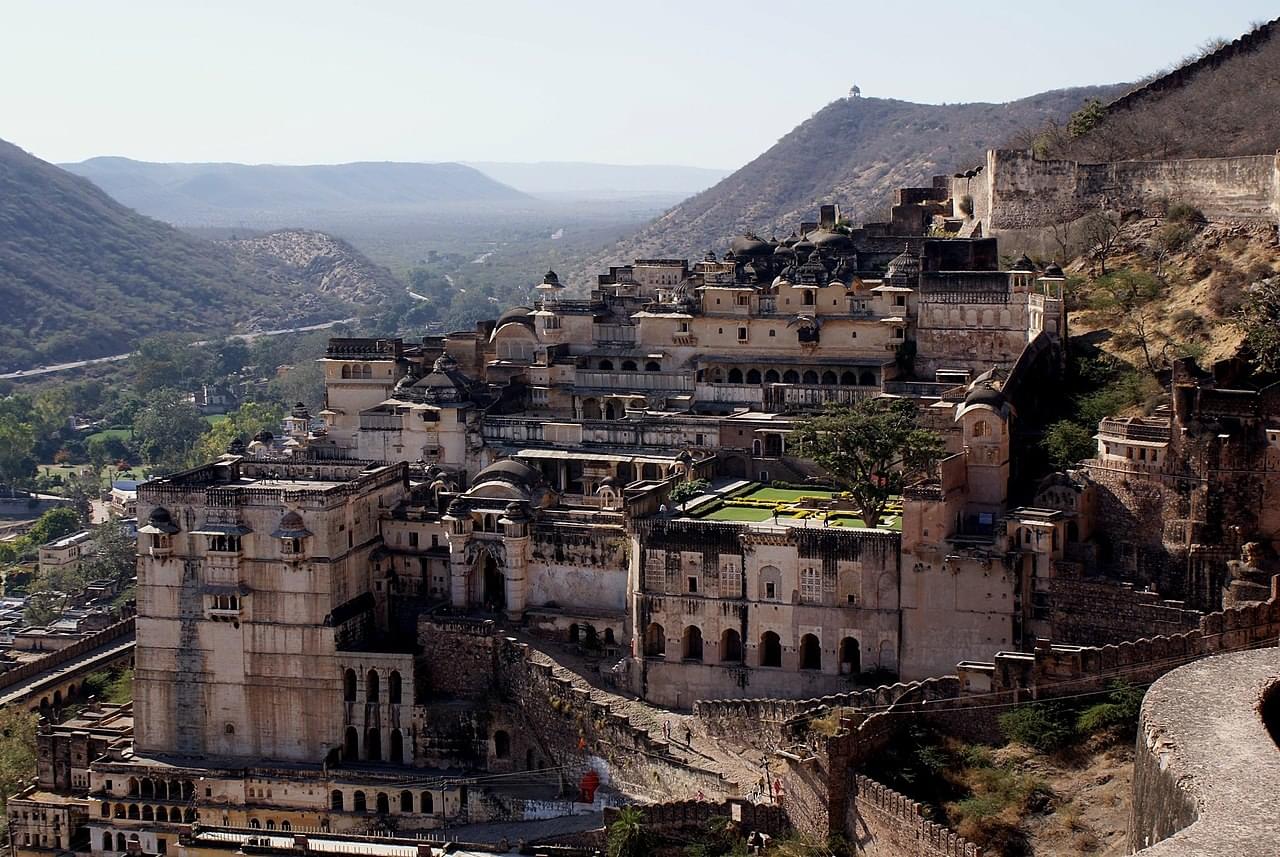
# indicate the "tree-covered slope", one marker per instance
pixel 83 276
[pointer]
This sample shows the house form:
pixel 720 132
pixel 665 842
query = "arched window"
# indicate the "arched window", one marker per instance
pixel 148 814
pixel 373 744
pixel 393 688
pixel 606 365
pixel 810 653
pixel 867 379
pixel 771 376
pixel 106 841
pixel 383 804
pixel 426 803
pixel 148 787
pixel 106 810
pixel 119 811
pixel 850 657
pixel 133 811
pixel 591 409
pixel 691 643
pixel 371 686
pixel 848 379
pixel 808 297
pixel 770 650
pixel 358 803
pixel 366 371
pixel 120 846
pixel 351 745
pixel 810 376
pixel 981 429
pixel 501 744
pixel 829 378
pixel 335 800
pixel 735 376
pixel 791 376
pixel 652 366
pixel 349 685
pixel 346 371
pixel 397 747
pixel 271 824
pixel 753 376
pixel 628 365
pixel 255 824
pixel 284 825
pixel 175 815
pixel 730 646
pixel 406 801
pixel 133 787
pixel 655 641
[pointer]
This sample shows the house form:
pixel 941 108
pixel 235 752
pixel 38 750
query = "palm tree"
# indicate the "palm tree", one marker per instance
pixel 627 835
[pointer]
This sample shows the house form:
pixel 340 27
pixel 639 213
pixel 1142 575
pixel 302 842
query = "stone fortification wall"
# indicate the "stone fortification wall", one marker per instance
pixel 1101 612
pixel 1206 767
pixel 693 815
pixel 1026 193
pixel 22 672
pixel 889 824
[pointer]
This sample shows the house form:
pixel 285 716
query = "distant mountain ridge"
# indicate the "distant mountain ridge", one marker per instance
pixel 854 151
pixel 82 276
pixel 211 194
pixel 592 179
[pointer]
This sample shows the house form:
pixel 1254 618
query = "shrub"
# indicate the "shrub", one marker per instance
pixel 1120 710
pixel 1041 726
pixel 1068 442
pixel 966 205
pixel 1184 213
pixel 1188 322
pixel 688 490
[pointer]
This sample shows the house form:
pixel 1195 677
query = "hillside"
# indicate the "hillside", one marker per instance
pixel 228 194
pixel 83 276
pixel 854 151
pixel 323 265
pixel 1218 104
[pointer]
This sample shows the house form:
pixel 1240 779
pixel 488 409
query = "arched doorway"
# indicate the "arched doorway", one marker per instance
pixel 655 641
pixel 691 644
pixel 495 585
pixel 810 653
pixel 770 650
pixel 850 657
pixel 730 646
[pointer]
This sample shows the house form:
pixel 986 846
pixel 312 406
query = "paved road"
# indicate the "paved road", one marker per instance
pixel 247 337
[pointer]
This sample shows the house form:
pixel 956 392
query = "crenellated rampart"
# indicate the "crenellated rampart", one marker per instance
pixel 888 824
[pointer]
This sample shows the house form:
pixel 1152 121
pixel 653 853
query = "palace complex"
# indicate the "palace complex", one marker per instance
pixel 355 626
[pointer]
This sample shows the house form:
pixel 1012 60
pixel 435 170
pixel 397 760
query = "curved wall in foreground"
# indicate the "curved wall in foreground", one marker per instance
pixel 1207 767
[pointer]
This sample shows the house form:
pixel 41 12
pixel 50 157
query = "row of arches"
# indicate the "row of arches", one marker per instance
pixel 769 650
pixel 147 812
pixel 256 824
pixel 357 370
pixel 606 365
pixel 55 701
pixel 372 686
pixel 351 749
pixel 121 844
pixel 425 803
pixel 162 789
pixel 830 377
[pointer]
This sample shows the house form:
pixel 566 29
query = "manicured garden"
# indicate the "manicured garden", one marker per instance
pixel 795 507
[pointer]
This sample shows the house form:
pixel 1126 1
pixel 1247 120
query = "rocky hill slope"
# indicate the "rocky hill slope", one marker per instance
pixel 324 265
pixel 82 276
pixel 854 151
pixel 1220 103
pixel 231 194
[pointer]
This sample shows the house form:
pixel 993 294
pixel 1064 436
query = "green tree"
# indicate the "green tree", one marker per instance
pixel 628 836
pixel 1259 321
pixel 54 524
pixel 1086 118
pixel 871 448
pixel 1067 442
pixel 17 751
pixel 166 431
pixel 115 557
pixel 17 450
pixel 244 422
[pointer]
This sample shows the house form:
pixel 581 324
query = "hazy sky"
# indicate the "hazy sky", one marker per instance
pixel 688 81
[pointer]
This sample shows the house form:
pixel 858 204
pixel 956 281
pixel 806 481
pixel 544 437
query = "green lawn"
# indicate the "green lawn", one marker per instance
pixel 109 474
pixel 120 433
pixel 743 514
pixel 785 495
pixel 214 419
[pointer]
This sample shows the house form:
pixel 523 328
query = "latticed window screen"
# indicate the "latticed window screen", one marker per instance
pixel 730 580
pixel 811 585
pixel 655 571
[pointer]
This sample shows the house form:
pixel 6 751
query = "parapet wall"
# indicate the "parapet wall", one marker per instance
pixel 889 824
pixel 29 669
pixel 1206 766
pixel 1023 192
